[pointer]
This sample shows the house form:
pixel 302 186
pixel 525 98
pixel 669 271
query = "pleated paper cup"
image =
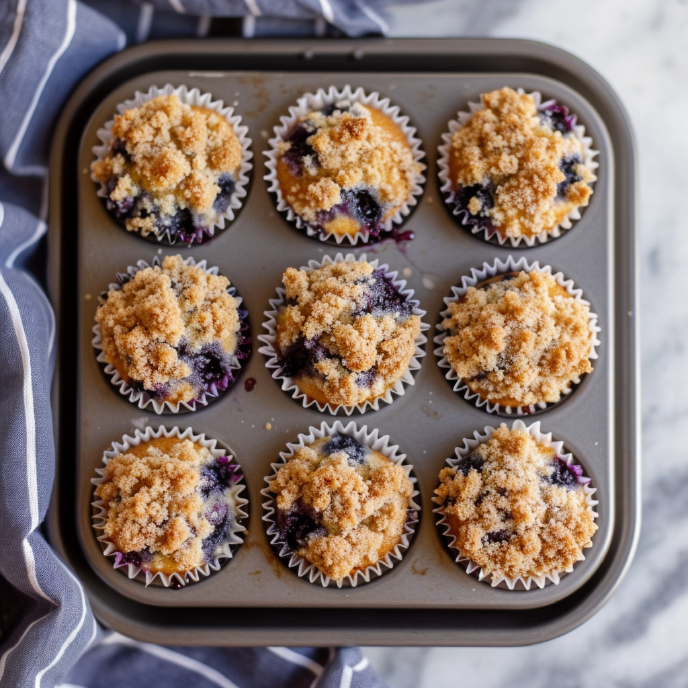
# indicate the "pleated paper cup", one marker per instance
pixel 222 553
pixel 305 569
pixel 317 101
pixel 288 383
pixel 521 582
pixel 492 235
pixel 192 97
pixel 488 271
pixel 143 399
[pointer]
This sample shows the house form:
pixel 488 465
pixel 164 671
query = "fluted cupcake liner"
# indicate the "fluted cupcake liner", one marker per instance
pixel 288 383
pixel 144 399
pixel 192 97
pixel 520 582
pixel 317 101
pixel 480 275
pixel 372 440
pixel 493 235
pixel 223 552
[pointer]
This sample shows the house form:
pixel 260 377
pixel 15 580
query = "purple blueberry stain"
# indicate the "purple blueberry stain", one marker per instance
pixel 557 117
pixel 298 526
pixel 485 194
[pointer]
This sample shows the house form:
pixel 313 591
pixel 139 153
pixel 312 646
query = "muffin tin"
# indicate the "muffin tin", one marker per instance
pixel 427 598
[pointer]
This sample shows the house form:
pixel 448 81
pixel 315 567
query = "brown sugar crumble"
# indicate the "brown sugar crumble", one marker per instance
pixel 154 504
pixel 518 341
pixel 344 335
pixel 341 506
pixel 160 319
pixel 171 156
pixel 521 160
pixel 355 147
pixel 510 512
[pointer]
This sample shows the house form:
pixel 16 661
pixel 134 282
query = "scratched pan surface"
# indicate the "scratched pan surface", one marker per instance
pixel 427 422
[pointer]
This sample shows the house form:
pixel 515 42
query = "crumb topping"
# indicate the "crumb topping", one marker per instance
pixel 353 147
pixel 352 510
pixel 506 148
pixel 153 504
pixel 174 152
pixel 351 343
pixel 152 327
pixel 505 512
pixel 518 341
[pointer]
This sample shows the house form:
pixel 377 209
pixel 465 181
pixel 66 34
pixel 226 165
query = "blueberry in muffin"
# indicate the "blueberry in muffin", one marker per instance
pixel 515 507
pixel 170 170
pixel 345 169
pixel 518 339
pixel 345 334
pixel 173 332
pixel 515 169
pixel 340 505
pixel 170 506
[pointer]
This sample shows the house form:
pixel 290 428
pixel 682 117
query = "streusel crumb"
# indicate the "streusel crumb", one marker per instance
pixel 153 503
pixel 344 335
pixel 343 509
pixel 518 341
pixel 158 320
pixel 505 148
pixel 507 511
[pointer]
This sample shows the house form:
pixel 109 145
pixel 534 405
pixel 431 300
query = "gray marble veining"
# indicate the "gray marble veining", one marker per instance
pixel 641 637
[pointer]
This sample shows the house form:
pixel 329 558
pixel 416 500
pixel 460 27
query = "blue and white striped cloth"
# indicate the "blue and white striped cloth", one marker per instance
pixel 48 635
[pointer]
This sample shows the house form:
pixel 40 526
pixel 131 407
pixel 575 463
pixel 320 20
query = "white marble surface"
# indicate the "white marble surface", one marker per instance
pixel 641 637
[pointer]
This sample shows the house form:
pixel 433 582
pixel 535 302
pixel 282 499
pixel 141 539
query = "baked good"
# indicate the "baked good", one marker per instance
pixel 516 169
pixel 172 331
pixel 170 170
pixel 345 333
pixel 518 339
pixel 341 506
pixel 345 169
pixel 169 506
pixel 515 507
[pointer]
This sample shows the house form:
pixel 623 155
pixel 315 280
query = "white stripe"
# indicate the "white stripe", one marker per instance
pixel 71 637
pixel 16 29
pixel 175 658
pixel 177 6
pixel 296 658
pixel 69 34
pixel 144 23
pixel 248 26
pixel 6 654
pixel 203 26
pixel 347 676
pixel 121 40
pixel 253 7
pixel 30 561
pixel 327 10
pixel 361 665
pixel 373 15
pixel 38 233
pixel 69 685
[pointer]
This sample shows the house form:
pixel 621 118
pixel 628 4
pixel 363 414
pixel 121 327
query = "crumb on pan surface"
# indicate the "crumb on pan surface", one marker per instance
pixel 518 341
pixel 345 334
pixel 515 508
pixel 341 506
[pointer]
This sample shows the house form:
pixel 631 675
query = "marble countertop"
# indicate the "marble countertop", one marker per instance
pixel 640 637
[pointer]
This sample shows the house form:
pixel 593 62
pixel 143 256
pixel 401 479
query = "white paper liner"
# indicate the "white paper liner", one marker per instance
pixel 447 184
pixel 138 397
pixel 317 101
pixel 519 583
pixel 191 97
pixel 288 383
pixel 372 440
pixel 99 512
pixel 480 275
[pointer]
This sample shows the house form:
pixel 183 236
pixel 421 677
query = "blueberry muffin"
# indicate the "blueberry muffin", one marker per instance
pixel 515 169
pixel 515 507
pixel 518 339
pixel 345 169
pixel 169 505
pixel 173 332
pixel 344 334
pixel 170 170
pixel 341 506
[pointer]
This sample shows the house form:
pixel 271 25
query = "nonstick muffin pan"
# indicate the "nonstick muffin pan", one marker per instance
pixel 427 598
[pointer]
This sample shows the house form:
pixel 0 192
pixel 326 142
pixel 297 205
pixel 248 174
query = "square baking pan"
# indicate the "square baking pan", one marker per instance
pixel 426 598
